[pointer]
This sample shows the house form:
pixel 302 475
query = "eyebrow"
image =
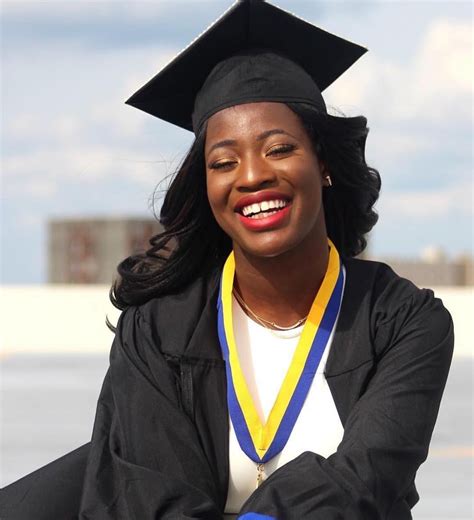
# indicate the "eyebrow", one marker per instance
pixel 260 137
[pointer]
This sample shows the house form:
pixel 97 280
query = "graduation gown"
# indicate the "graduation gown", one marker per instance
pixel 159 448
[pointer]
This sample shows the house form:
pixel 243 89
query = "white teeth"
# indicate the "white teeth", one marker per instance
pixel 257 208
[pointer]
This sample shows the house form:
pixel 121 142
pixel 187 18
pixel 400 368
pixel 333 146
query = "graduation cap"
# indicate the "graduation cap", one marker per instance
pixel 253 52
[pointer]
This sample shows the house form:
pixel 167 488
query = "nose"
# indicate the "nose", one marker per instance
pixel 255 173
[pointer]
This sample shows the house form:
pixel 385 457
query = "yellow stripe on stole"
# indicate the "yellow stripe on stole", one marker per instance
pixel 241 390
pixel 263 435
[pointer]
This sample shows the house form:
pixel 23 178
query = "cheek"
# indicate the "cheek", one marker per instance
pixel 308 180
pixel 210 189
pixel 217 194
pixel 310 189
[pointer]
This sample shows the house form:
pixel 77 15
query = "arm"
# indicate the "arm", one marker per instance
pixel 387 433
pixel 145 459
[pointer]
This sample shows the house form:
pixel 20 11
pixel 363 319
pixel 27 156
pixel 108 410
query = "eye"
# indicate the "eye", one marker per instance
pixel 222 165
pixel 281 149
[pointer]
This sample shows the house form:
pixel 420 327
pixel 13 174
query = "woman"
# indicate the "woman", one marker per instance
pixel 251 306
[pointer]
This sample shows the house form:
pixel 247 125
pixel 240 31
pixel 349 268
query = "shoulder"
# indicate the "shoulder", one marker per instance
pixel 398 308
pixel 376 276
pixel 170 319
pixel 386 290
pixel 184 304
pixel 373 289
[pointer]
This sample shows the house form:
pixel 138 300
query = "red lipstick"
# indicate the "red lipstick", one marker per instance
pixel 266 220
pixel 266 223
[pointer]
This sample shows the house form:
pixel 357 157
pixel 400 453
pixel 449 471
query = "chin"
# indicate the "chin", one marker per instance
pixel 269 248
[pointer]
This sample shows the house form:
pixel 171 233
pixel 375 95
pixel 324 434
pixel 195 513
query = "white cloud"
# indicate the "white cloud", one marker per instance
pixel 441 74
pixel 389 146
pixel 124 121
pixel 84 140
pixel 414 108
pixel 30 126
pixel 23 125
pixel 41 188
pixel 434 86
pixel 40 173
pixel 70 109
pixel 455 199
pixel 446 56
pixel 151 59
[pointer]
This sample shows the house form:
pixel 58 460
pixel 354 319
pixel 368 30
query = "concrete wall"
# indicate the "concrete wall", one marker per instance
pixel 55 318
pixel 71 318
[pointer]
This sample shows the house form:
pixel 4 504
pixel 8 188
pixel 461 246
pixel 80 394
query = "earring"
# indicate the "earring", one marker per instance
pixel 328 178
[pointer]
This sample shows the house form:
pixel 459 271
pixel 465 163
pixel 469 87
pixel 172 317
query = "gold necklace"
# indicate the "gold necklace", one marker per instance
pixel 266 323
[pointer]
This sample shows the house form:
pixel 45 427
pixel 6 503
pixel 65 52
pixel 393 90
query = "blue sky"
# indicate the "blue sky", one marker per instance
pixel 70 147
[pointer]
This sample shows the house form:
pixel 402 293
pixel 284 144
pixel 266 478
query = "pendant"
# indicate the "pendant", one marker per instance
pixel 260 473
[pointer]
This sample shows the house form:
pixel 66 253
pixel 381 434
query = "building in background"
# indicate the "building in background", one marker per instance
pixel 435 269
pixel 88 250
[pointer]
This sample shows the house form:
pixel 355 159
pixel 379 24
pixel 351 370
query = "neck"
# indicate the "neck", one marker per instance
pixel 281 289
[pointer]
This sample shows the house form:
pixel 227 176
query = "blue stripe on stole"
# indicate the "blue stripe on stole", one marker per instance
pixel 238 419
pixel 312 362
pixel 255 516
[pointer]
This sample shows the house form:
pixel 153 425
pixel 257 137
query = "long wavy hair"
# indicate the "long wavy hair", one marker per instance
pixel 192 244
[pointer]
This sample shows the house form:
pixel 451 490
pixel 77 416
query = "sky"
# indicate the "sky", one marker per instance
pixel 70 147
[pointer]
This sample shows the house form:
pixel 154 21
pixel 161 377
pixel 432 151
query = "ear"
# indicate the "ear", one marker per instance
pixel 325 177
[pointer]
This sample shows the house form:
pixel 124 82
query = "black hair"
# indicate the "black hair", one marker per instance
pixel 192 244
pixel 339 143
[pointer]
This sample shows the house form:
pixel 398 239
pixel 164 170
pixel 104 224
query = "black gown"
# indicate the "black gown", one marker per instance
pixel 159 448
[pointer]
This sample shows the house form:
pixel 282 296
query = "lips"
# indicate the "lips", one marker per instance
pixel 264 210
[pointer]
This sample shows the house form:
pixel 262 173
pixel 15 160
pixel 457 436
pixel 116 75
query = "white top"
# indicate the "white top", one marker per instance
pixel 265 356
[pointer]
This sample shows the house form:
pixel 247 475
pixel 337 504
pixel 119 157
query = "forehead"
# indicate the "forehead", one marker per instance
pixel 251 119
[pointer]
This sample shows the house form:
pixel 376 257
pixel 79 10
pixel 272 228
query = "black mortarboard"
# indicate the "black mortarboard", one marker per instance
pixel 253 52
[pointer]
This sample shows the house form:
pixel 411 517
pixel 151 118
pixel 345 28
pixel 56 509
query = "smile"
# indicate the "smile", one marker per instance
pixel 264 209
pixel 266 220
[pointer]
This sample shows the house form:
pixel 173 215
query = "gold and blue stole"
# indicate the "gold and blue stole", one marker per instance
pixel 261 442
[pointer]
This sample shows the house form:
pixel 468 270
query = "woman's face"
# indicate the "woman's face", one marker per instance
pixel 264 179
